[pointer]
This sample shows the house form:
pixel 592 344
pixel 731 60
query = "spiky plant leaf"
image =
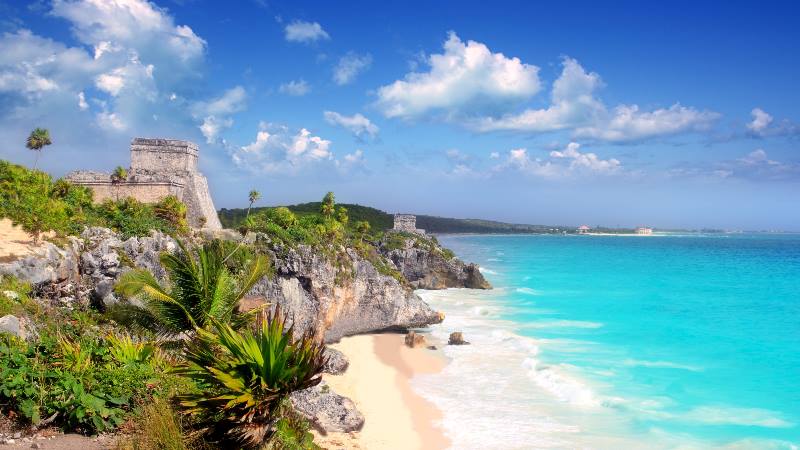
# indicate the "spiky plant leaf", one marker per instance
pixel 245 375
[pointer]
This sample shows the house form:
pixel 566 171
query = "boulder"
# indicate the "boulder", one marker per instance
pixel 337 363
pixel 327 410
pixel 11 325
pixel 457 338
pixel 414 340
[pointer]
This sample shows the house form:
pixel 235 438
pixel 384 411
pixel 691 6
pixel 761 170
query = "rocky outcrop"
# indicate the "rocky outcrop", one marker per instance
pixel 327 410
pixel 457 338
pixel 85 270
pixel 338 298
pixel 426 265
pixel 340 302
pixel 336 363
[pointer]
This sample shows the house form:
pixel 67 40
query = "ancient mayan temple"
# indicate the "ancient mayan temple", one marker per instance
pixel 407 223
pixel 159 167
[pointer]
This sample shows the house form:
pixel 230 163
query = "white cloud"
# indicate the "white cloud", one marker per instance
pixel 577 163
pixel 357 124
pixel 213 126
pixel 352 162
pixel 231 101
pixel 588 161
pixel 465 75
pixel 627 123
pixel 572 103
pixel 575 107
pixel 760 122
pixel 109 26
pixel 350 66
pixel 755 166
pixel 129 53
pixel 110 121
pixel 277 149
pixel 31 65
pixel 215 113
pixel 763 125
pixel 82 101
pixel 296 88
pixel 300 31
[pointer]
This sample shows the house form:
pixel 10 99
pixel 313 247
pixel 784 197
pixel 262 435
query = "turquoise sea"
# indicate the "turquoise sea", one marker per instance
pixel 669 341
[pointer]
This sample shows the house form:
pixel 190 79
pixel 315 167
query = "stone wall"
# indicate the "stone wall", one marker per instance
pixel 163 155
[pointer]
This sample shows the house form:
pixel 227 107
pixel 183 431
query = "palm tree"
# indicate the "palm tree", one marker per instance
pixel 118 176
pixel 38 139
pixel 201 289
pixel 328 205
pixel 249 374
pixel 254 196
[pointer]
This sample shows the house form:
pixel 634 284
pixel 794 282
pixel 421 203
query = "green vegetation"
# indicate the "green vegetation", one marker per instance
pixel 378 220
pixel 31 199
pixel 202 289
pixel 245 377
pixel 252 197
pixel 72 375
pixel 383 221
pixel 37 140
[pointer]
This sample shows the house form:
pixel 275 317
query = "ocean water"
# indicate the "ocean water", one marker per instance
pixel 674 341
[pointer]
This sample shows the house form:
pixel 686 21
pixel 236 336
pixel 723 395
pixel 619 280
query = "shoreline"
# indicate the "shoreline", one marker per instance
pixel 378 382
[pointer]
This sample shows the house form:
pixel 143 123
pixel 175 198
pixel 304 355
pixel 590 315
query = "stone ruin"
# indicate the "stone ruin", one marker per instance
pixel 406 223
pixel 159 167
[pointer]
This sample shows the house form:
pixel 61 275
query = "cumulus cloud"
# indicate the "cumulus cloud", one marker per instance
pixel 350 66
pixel 131 54
pixel 468 84
pixel 572 103
pixel 627 123
pixel 763 125
pixel 464 75
pixel 561 163
pixel 131 24
pixel 354 161
pixel 278 149
pixel 295 87
pixel 215 113
pixel 300 31
pixel 575 107
pixel 360 126
pixel 760 122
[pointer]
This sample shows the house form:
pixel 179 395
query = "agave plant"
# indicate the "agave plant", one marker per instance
pixel 245 376
pixel 201 289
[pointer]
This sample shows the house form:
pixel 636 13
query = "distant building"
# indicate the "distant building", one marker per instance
pixel 583 229
pixel 644 231
pixel 406 223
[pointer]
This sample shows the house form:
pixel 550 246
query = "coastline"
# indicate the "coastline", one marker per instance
pixel 378 381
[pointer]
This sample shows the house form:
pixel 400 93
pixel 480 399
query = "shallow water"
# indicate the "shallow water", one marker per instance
pixel 689 341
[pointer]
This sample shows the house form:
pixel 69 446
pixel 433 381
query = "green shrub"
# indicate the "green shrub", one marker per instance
pixel 173 212
pixel 201 289
pixel 15 297
pixel 292 432
pixel 72 381
pixel 244 377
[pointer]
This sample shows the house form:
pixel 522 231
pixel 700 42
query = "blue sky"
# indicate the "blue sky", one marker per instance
pixel 623 113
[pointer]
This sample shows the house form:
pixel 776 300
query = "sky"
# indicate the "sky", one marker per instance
pixel 670 114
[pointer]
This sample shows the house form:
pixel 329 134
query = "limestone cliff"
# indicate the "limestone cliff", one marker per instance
pixel 427 265
pixel 348 298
